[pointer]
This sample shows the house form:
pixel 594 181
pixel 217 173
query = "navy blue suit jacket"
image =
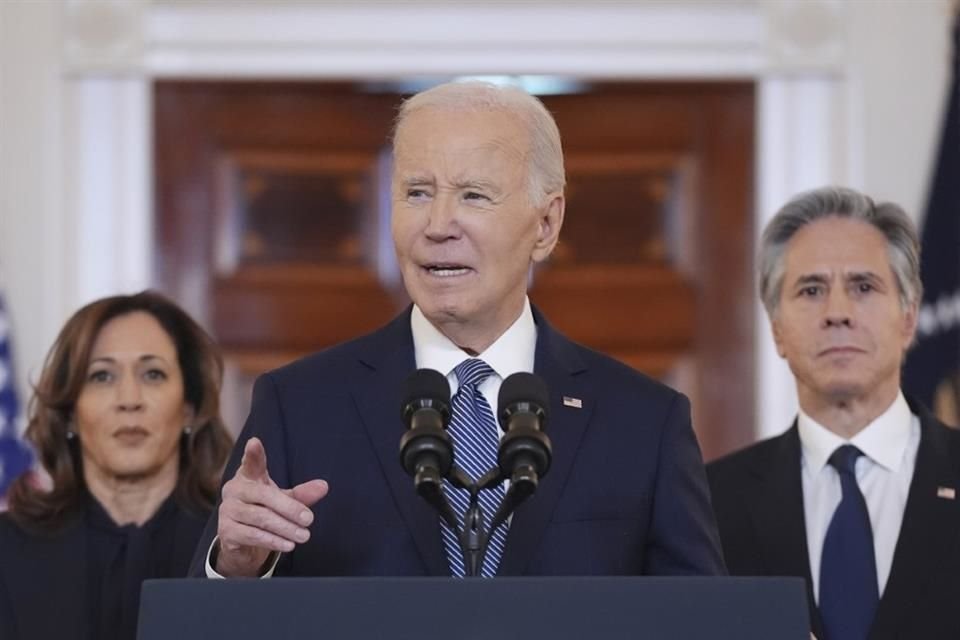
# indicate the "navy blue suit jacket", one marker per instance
pixel 626 494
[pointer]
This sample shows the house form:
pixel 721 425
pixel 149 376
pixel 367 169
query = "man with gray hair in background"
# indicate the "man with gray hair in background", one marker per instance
pixel 859 496
pixel 478 199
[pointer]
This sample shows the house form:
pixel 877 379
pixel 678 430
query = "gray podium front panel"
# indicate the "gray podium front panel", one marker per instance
pixel 500 609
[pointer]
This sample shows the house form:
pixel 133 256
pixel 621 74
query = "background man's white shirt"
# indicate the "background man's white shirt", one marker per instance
pixel 884 473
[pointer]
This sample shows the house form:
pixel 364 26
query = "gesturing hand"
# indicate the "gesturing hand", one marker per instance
pixel 257 517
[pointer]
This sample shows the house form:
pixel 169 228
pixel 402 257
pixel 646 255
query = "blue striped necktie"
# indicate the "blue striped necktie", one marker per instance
pixel 848 570
pixel 475 440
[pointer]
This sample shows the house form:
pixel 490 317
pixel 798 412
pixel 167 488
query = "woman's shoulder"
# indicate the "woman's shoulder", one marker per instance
pixel 9 529
pixel 14 535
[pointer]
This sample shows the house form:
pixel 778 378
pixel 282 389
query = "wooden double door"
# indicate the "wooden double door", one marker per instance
pixel 272 214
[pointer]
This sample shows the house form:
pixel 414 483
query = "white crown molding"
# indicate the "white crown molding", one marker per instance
pixel 805 35
pixel 104 35
pixel 639 39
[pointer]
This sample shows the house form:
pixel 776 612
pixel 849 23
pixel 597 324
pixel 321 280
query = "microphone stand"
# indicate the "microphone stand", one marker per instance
pixel 474 535
pixel 429 486
pixel 522 485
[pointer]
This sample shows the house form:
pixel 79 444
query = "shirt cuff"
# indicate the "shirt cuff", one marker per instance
pixel 269 566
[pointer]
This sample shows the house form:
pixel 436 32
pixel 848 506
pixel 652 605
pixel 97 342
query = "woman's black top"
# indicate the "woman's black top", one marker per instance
pixel 83 582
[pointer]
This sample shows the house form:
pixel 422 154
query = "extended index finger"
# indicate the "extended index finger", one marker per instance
pixel 253 464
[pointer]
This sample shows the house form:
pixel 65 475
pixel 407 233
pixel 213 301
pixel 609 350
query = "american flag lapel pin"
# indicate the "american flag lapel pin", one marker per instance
pixel 947 493
pixel 576 403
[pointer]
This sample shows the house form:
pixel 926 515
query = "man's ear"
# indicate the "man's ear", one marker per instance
pixel 910 319
pixel 548 231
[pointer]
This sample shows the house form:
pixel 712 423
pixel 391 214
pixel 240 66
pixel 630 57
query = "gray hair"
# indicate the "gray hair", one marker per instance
pixel 903 248
pixel 546 175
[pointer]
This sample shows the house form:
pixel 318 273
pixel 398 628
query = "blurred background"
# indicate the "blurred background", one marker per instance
pixel 234 155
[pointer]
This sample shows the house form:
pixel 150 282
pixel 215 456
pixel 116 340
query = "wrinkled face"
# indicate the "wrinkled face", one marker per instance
pixel 464 228
pixel 131 411
pixel 840 323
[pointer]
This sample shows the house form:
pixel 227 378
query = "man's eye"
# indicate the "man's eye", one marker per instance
pixel 473 195
pixel 864 287
pixel 810 292
pixel 416 194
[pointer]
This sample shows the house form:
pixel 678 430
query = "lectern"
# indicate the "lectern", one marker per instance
pixel 542 608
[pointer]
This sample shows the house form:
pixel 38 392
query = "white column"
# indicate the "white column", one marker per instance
pixel 802 141
pixel 108 184
pixel 34 247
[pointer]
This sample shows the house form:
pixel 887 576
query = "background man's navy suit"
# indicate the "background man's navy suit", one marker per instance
pixel 626 493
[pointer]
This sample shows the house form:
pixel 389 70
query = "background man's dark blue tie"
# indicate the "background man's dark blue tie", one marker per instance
pixel 848 568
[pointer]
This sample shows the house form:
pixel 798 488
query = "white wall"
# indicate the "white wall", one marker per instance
pixel 33 249
pixel 899 58
pixel 75 220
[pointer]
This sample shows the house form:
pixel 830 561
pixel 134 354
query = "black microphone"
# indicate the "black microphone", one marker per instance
pixel 426 450
pixel 525 451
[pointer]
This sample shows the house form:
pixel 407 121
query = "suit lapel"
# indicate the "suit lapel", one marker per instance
pixel 559 365
pixel 52 570
pixel 778 517
pixel 930 526
pixel 390 359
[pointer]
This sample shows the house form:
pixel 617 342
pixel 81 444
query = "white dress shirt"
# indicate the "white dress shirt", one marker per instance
pixel 884 472
pixel 513 351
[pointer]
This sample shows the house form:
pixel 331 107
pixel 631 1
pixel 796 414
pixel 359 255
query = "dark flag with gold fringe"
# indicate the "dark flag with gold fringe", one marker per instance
pixel 932 371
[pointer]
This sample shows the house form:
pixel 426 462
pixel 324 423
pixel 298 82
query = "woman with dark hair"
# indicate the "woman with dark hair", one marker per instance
pixel 125 420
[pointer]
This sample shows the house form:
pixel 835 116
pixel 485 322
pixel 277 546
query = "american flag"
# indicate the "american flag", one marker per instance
pixel 15 456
